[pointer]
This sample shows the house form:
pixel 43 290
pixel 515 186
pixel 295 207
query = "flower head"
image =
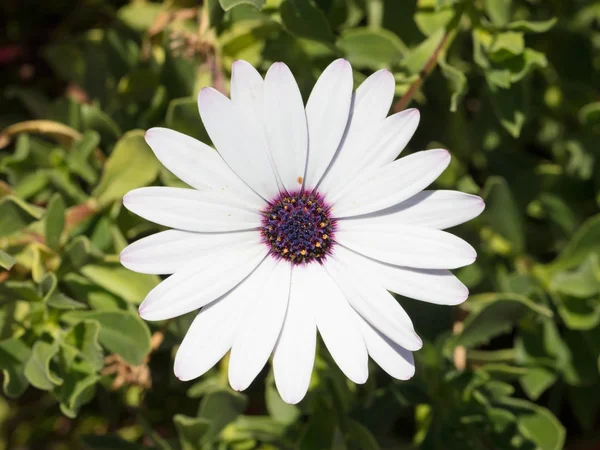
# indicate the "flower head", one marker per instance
pixel 301 221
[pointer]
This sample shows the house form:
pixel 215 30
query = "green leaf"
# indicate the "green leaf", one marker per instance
pixel 584 243
pixel 93 118
pixel 523 64
pixel 506 45
pixel 61 301
pixel 502 214
pixel 131 165
pixel 581 369
pixel 590 114
pixel 536 381
pixel 47 286
pixel 14 354
pixel 228 4
pixel 20 290
pixel 318 433
pixel 55 221
pixel 582 282
pixel 499 11
pixel 15 214
pixel 130 286
pixel 304 19
pixel 220 408
pixel 429 20
pixel 37 368
pixel 140 16
pixel 278 409
pixel 6 261
pixel 182 115
pixel 532 27
pixel 536 423
pixel 191 431
pixel 493 314
pixel 82 340
pixel 78 389
pixel 458 82
pixel 121 332
pixel 80 154
pixel 373 49
pixel 509 106
pixel 93 295
pixel 79 252
pixel 578 313
pixel 417 57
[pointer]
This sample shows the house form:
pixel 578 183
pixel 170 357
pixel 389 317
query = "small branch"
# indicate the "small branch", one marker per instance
pixel 405 100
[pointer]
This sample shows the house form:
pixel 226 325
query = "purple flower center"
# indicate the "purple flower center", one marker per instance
pixel 298 227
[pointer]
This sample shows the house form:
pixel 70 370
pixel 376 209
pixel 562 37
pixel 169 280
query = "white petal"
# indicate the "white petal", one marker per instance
pixel 370 105
pixel 327 113
pixel 338 327
pixel 196 163
pixel 375 304
pixel 285 125
pixel 261 324
pixel 248 96
pixel 212 332
pixel 438 286
pixel 391 138
pixel 294 356
pixel 201 283
pixel 429 209
pixel 240 145
pixel 404 245
pixel 172 250
pixel 391 357
pixel 247 86
pixel 192 210
pixel 391 184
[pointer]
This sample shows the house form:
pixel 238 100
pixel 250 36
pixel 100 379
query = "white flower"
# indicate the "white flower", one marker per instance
pixel 302 220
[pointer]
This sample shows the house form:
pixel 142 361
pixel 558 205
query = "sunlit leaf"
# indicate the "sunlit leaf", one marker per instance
pixel 228 4
pixel 121 332
pixel 37 368
pixel 493 314
pixel 365 47
pixel 55 221
pixel 131 165
pixel 14 354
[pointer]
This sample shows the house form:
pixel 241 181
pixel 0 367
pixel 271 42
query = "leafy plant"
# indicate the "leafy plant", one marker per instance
pixel 508 86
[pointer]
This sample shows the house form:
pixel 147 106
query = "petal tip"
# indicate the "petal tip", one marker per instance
pixel 179 371
pixel 123 255
pixel 292 398
pixel 480 204
pixel 149 133
pixel 361 378
pixel 414 112
pixel 418 343
pixel 127 200
pixel 143 311
pixel 408 375
pixel 341 63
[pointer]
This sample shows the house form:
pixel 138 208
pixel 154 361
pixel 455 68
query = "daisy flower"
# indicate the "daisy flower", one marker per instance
pixel 302 220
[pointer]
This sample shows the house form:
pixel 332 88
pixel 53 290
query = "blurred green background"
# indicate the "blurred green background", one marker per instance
pixel 510 87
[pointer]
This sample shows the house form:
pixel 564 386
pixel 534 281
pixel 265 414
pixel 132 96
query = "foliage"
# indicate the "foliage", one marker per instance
pixel 509 86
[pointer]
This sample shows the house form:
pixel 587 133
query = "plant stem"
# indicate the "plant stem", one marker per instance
pixel 430 64
pixel 405 100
